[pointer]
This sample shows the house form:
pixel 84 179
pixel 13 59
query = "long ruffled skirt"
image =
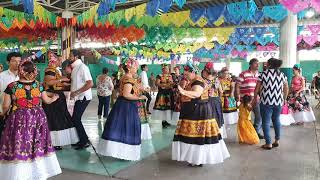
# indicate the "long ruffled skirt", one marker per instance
pixel 121 137
pixel 26 152
pixel 197 139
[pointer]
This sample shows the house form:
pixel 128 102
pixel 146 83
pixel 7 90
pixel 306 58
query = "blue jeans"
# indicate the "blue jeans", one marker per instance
pixel 257 118
pixel 270 113
pixel 104 102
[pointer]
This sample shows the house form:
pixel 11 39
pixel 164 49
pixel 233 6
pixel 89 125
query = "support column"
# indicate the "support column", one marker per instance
pixel 227 61
pixel 67 36
pixel 288 44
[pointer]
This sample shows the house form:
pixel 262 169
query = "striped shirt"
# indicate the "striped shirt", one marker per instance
pixel 272 83
pixel 247 82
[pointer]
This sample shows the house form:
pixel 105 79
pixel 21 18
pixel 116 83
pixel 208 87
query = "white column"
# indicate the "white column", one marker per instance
pixel 288 44
pixel 288 40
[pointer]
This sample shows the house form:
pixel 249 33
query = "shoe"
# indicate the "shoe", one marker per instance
pixel 148 112
pixel 75 145
pixel 266 147
pixel 261 136
pixel 99 117
pixel 164 125
pixel 57 148
pixel 275 144
pixel 82 146
pixel 194 165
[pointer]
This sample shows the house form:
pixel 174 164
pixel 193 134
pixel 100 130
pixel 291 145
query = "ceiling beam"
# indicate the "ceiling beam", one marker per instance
pixel 91 2
pixel 79 8
pixel 75 5
pixel 55 2
pixel 50 6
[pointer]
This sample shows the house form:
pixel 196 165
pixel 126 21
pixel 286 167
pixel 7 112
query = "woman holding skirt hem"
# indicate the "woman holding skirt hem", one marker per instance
pixel 121 137
pixel 197 139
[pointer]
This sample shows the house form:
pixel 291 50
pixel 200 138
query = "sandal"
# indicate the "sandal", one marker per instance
pixel 266 147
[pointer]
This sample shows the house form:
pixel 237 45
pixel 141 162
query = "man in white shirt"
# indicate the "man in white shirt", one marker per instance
pixel 81 84
pixel 10 75
pixel 7 77
pixel 145 84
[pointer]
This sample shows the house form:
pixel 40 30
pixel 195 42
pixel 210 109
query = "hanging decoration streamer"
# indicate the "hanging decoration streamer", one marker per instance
pixel 297 6
pixel 197 13
pixel 180 3
pixel 165 5
pixel 152 7
pixel 112 34
pixel 146 14
pixel 102 58
pixel 277 13
pixel 214 13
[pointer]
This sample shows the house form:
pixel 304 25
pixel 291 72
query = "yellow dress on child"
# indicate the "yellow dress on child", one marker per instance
pixel 246 132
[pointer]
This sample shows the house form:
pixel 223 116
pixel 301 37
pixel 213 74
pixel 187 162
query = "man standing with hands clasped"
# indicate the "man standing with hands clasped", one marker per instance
pixel 81 84
pixel 246 84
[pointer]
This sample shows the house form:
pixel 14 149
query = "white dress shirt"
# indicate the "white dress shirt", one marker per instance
pixel 79 76
pixel 144 79
pixel 6 77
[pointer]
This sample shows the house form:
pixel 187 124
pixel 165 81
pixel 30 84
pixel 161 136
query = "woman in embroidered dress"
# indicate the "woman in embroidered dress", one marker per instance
pixel 177 80
pixel 61 127
pixel 229 105
pixel 164 104
pixel 298 104
pixel 215 90
pixel 121 137
pixel 197 139
pixel 26 151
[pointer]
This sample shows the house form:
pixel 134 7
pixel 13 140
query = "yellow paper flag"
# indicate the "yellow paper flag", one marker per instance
pixel 140 10
pixel 219 22
pixel 202 22
pixel 180 18
pixel 165 18
pixel 129 13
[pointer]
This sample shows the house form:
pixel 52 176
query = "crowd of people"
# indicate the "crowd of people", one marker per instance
pixel 39 118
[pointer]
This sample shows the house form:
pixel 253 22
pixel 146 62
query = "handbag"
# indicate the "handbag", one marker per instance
pixel 285 109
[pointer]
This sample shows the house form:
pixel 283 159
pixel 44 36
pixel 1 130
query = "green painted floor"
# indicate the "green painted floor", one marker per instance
pixel 87 161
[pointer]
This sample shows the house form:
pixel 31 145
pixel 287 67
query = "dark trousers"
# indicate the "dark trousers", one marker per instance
pixel 79 108
pixel 149 99
pixel 104 102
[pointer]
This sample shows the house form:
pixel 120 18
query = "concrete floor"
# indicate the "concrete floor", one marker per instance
pixel 297 158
